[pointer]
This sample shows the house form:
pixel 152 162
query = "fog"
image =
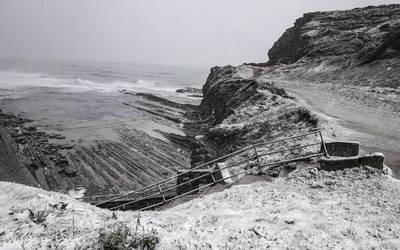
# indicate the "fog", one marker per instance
pixel 175 32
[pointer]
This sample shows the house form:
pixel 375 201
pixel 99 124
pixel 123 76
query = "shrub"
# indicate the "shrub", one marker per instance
pixel 121 237
pixel 38 217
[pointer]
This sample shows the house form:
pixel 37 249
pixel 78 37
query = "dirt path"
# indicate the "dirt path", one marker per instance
pixel 377 130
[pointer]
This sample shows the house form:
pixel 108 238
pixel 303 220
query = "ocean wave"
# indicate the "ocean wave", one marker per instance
pixel 22 81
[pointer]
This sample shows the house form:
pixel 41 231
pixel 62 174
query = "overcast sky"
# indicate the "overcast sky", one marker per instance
pixel 177 32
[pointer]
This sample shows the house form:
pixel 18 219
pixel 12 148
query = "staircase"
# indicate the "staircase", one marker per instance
pixel 259 158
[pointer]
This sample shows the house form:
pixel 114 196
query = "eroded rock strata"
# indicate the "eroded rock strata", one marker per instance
pixel 38 158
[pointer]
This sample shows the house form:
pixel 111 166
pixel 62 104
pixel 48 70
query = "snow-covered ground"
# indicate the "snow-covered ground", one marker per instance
pixel 309 209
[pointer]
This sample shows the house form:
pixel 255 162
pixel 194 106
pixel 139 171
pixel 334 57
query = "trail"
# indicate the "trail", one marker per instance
pixel 377 130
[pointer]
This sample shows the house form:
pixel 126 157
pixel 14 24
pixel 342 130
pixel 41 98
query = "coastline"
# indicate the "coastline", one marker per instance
pixel 102 155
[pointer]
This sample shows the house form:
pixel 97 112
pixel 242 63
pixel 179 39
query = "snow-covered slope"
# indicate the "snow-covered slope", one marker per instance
pixel 355 208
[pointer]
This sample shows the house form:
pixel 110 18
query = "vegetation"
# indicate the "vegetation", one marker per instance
pixel 121 237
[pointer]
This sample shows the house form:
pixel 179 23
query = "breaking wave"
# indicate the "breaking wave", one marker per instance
pixel 15 84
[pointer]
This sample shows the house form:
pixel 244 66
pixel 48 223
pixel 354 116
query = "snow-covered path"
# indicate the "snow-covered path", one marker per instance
pixel 377 130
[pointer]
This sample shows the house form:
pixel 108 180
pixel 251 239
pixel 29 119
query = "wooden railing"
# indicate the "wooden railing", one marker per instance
pixel 261 159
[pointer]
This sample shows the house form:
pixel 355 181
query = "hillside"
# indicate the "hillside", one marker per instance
pixel 308 209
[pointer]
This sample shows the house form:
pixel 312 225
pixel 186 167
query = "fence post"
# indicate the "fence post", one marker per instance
pixel 323 144
pixel 258 159
pixel 161 192
pixel 211 173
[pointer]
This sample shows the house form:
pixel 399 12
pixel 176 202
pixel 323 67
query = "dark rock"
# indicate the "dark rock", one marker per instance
pixel 189 90
pixel 375 160
pixel 62 163
pixel 225 90
pixel 365 34
pixel 342 149
pixel 196 96
pixel 69 171
pixel 21 140
pixel 56 136
pixel 65 146
pixel 30 128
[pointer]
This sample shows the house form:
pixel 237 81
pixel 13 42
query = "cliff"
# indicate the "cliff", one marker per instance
pixel 362 34
pixel 342 60
pixel 241 109
pixel 345 65
pixel 353 47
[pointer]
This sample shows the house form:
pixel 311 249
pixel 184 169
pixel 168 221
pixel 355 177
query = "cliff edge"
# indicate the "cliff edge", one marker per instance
pixel 358 47
pixel 363 34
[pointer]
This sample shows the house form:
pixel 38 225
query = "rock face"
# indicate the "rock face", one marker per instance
pixel 241 109
pixel 224 90
pixel 228 87
pixel 363 34
pixel 356 52
pixel 346 64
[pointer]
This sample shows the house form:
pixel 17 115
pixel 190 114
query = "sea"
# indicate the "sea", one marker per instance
pixel 85 100
pixel 22 76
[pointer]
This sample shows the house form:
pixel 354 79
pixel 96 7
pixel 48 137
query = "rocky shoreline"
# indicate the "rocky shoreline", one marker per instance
pixel 36 151
pixel 222 123
pixel 240 106
pixel 45 160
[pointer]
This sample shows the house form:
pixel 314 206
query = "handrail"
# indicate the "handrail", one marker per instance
pixel 211 172
pixel 210 184
pixel 313 131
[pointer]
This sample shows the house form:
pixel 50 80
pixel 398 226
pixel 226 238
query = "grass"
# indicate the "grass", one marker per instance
pixel 120 237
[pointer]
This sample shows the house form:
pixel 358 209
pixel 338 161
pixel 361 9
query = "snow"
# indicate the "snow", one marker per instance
pixel 354 208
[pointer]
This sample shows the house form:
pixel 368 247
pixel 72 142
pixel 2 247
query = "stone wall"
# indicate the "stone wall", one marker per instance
pixel 342 148
pixel 339 163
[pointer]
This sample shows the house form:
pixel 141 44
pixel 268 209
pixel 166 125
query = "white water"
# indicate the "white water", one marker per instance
pixel 19 78
pixel 62 96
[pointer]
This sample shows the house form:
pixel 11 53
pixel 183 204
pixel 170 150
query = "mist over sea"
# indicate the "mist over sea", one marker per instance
pixel 84 100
